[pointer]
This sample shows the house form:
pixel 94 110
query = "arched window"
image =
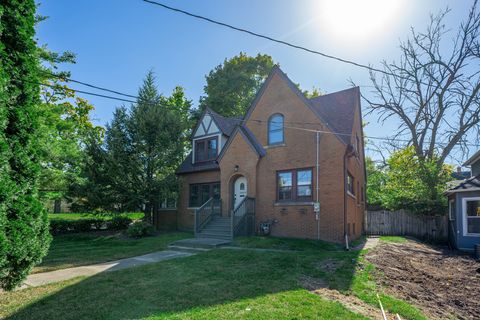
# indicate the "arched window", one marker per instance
pixel 242 186
pixel 275 129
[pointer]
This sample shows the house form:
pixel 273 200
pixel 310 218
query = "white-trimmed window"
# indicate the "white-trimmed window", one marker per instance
pixel 471 215
pixel 275 129
pixel 451 209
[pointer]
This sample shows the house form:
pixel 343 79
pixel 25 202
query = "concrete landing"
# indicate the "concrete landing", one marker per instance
pixel 39 279
pixel 202 243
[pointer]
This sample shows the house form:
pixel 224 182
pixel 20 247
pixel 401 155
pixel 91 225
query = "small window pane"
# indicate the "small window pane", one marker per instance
pixel 275 129
pixel 473 225
pixel 205 192
pixel 285 179
pixel 304 191
pixel 304 177
pixel 285 186
pixel 216 191
pixel 473 208
pixel 200 151
pixel 285 193
pixel 194 199
pixel 212 148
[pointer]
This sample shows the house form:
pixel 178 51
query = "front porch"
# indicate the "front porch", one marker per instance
pixel 211 224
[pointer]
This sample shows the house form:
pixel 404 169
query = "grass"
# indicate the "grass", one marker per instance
pixel 395 239
pixel 80 216
pixel 284 244
pixel 79 249
pixel 219 284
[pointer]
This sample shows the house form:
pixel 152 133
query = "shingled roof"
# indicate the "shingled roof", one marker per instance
pixel 338 110
pixel 472 183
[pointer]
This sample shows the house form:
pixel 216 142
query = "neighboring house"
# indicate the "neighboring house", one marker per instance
pixel 263 168
pixel 464 208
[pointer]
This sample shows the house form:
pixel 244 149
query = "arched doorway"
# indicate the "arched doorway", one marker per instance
pixel 239 190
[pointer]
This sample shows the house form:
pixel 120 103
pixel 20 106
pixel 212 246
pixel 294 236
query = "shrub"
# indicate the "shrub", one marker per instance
pixel 119 223
pixel 62 226
pixel 139 229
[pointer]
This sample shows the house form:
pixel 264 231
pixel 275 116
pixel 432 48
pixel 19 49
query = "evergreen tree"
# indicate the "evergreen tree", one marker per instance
pixel 135 166
pixel 23 224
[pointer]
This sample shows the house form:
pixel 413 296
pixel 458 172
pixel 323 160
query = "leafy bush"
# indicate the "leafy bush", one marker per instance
pixel 62 226
pixel 139 229
pixel 120 223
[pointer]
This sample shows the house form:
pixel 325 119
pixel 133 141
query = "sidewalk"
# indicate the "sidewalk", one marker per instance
pixel 39 279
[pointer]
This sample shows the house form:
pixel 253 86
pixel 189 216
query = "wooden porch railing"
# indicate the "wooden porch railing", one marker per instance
pixel 243 218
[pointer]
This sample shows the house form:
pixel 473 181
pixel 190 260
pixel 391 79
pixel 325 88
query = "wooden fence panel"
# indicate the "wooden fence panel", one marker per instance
pixel 403 223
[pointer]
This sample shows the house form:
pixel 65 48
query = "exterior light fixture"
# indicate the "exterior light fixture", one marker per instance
pixel 236 168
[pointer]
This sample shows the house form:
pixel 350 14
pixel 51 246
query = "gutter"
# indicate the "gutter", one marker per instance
pixel 348 153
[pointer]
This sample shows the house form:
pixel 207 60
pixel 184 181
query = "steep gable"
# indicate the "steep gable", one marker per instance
pixel 338 110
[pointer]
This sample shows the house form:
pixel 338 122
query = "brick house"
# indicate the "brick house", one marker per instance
pixel 265 168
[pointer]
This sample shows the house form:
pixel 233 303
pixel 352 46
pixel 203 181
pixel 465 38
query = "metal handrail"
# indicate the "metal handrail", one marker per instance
pixel 235 224
pixel 199 222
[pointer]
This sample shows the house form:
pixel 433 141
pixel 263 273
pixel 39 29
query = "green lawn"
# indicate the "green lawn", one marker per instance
pixel 396 239
pixel 219 284
pixel 80 216
pixel 78 249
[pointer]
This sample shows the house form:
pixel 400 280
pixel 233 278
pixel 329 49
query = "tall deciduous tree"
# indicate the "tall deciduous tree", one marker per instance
pixel 231 86
pixel 434 93
pixel 24 236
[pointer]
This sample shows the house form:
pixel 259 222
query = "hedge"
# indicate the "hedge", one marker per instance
pixel 62 226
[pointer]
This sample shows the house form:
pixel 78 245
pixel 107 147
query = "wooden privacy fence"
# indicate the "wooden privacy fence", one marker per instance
pixel 403 223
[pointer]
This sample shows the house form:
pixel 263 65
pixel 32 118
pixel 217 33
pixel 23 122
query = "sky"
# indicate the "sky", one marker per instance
pixel 118 41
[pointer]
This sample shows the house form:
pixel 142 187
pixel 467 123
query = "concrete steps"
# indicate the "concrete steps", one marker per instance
pixel 217 228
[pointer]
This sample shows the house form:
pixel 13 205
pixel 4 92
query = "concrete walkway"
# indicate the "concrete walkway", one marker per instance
pixel 39 279
pixel 369 243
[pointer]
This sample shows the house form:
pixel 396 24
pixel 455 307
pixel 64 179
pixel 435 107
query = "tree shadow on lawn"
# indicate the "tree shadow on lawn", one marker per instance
pixel 166 288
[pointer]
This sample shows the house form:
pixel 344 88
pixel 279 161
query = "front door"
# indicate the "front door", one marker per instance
pixel 239 191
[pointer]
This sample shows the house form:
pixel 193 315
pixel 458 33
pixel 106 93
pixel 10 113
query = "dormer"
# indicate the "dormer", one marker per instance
pixel 210 136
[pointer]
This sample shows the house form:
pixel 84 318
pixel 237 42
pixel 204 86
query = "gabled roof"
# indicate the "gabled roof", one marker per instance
pixel 338 110
pixel 469 184
pixel 226 125
pixel 473 159
pixel 335 110
pixel 249 138
pixel 188 167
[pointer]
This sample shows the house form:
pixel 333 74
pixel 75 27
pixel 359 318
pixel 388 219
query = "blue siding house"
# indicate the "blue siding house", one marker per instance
pixel 464 209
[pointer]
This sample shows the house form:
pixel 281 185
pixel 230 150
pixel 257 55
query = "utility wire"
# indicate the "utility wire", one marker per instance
pixel 255 34
pixel 390 139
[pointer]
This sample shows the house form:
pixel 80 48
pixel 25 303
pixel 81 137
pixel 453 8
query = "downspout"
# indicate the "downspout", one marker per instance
pixel 348 152
pixel 317 187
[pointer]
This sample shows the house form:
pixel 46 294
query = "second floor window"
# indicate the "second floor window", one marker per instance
pixel 206 149
pixel 350 184
pixel 275 129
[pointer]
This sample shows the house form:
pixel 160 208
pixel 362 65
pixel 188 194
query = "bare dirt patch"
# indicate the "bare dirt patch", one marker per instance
pixel 352 303
pixel 441 282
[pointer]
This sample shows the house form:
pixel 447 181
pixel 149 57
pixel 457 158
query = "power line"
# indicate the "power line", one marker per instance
pixel 64 78
pixel 255 34
pixel 389 139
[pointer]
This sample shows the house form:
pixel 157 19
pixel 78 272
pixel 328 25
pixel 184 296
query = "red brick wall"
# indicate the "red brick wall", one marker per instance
pixel 299 151
pixel 185 214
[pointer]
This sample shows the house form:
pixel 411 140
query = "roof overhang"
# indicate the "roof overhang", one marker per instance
pixel 473 159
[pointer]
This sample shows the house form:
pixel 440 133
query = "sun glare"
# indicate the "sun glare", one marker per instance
pixel 354 20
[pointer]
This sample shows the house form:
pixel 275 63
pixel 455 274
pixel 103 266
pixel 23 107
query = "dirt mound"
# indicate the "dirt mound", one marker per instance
pixel 436 279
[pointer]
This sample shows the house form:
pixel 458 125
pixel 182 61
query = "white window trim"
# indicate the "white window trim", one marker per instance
pixel 450 202
pixel 219 141
pixel 464 212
